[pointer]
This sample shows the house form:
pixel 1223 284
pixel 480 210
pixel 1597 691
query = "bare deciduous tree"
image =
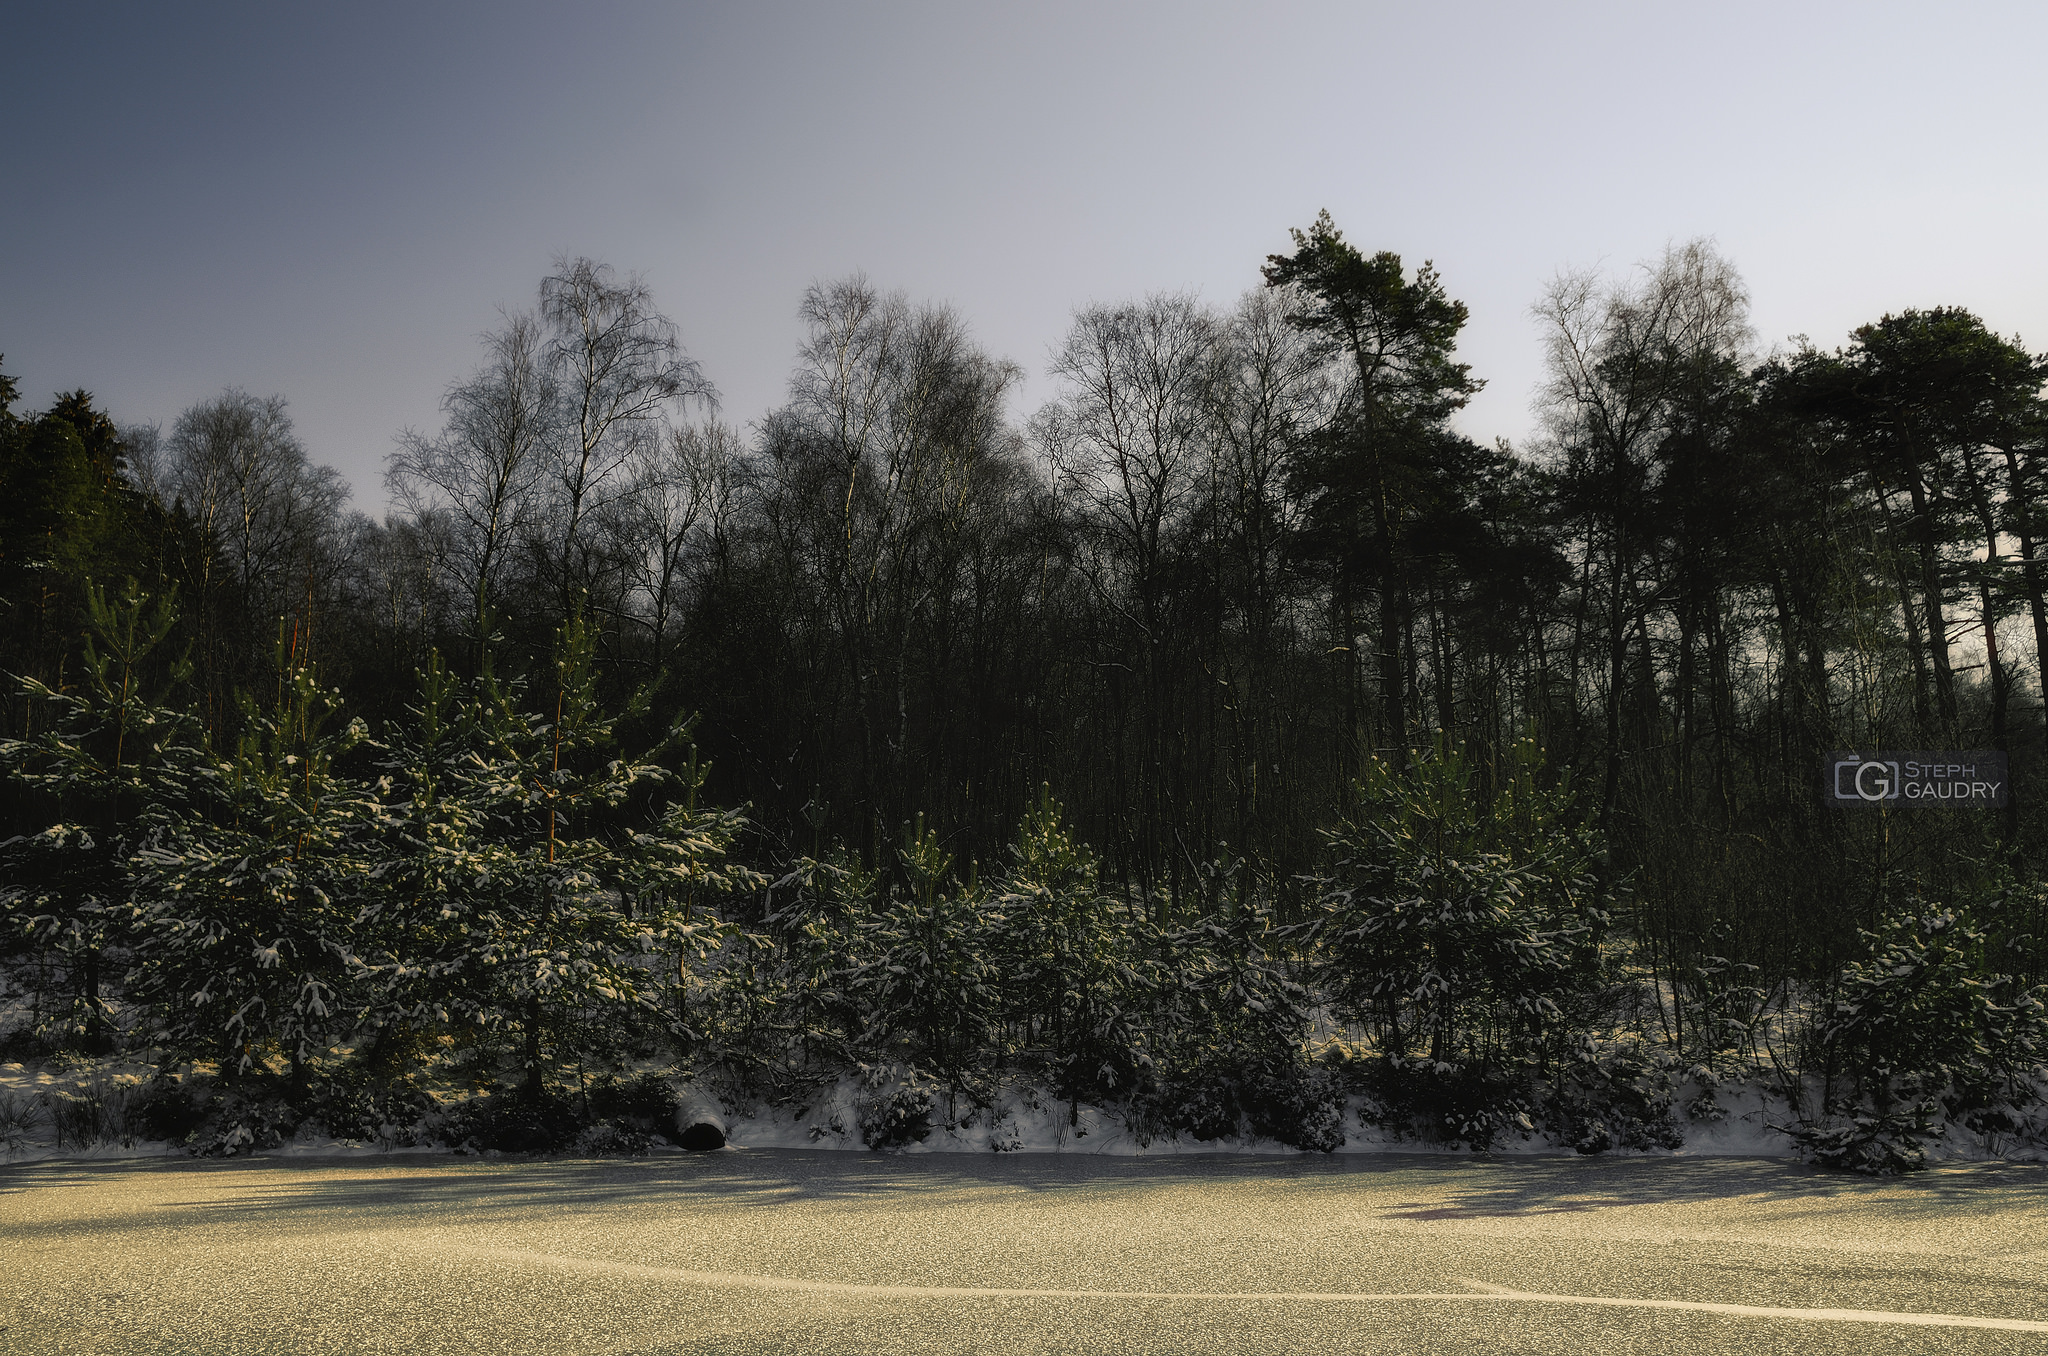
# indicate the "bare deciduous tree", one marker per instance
pixel 479 475
pixel 1131 433
pixel 1623 359
pixel 681 485
pixel 1272 392
pixel 618 368
pixel 893 433
pixel 1130 440
pixel 270 537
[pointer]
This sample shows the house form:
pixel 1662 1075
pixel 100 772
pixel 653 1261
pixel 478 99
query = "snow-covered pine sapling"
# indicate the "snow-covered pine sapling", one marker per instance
pixel 246 907
pixel 1077 975
pixel 677 874
pixel 582 891
pixel 524 883
pixel 1722 1005
pixel 442 857
pixel 1227 1024
pixel 1228 984
pixel 1459 922
pixel 929 974
pixel 794 989
pixel 1921 1030
pixel 116 759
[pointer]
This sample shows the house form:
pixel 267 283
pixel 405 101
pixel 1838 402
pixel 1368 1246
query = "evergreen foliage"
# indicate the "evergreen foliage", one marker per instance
pixel 114 765
pixel 1235 745
pixel 1921 1031
pixel 245 908
pixel 1461 919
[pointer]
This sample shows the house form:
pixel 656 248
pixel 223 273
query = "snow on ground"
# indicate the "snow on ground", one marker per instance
pixel 26 1130
pixel 1025 1120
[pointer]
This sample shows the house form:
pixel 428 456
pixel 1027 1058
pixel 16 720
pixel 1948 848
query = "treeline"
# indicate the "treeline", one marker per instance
pixel 1240 561
pixel 464 928
pixel 1241 550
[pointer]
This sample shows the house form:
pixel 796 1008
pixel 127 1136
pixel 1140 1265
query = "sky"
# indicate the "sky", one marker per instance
pixel 333 203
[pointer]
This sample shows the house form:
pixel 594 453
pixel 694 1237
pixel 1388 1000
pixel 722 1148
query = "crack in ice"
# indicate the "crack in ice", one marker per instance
pixel 1481 1292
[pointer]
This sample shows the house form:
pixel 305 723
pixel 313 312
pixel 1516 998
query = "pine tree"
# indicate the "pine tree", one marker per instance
pixel 537 882
pixel 114 764
pixel 1458 923
pixel 1078 976
pixel 246 904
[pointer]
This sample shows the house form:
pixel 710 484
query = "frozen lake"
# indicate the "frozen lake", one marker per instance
pixel 800 1251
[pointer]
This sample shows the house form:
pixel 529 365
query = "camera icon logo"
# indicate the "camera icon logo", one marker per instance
pixel 1867 779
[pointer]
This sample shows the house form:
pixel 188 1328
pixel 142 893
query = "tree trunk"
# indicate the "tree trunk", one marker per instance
pixel 1931 598
pixel 2020 507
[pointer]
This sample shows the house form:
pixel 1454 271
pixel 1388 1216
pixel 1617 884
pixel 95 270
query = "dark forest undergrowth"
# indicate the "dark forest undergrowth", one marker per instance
pixel 488 930
pixel 1231 748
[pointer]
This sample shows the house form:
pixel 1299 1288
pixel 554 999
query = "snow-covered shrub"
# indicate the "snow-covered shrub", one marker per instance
pixel 1283 1101
pixel 924 968
pixel 241 1119
pixel 1225 1030
pixel 1460 922
pixel 1437 1102
pixel 1314 1110
pixel 1619 1099
pixel 1919 1033
pixel 1044 975
pixel 357 1105
pixel 1876 1143
pixel 1079 966
pixel 165 1108
pixel 647 1102
pixel 614 1139
pixel 200 1115
pixel 1186 1103
pixel 518 1120
pixel 894 1107
pixel 523 1121
pixel 1219 1026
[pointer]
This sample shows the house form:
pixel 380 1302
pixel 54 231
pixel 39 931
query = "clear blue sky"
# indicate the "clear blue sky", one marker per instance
pixel 331 202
